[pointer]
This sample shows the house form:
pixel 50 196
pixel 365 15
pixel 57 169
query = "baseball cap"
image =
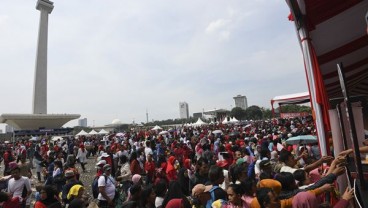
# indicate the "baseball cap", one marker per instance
pixel 107 167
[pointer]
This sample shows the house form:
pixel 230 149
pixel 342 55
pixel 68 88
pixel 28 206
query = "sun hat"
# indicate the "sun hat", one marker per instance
pixel 107 167
pixel 101 162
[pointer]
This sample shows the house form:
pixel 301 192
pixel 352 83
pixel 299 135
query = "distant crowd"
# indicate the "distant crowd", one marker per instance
pixel 238 165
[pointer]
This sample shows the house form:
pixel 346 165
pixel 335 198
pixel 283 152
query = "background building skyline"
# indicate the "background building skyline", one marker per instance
pixel 241 101
pixel 184 110
pixel 82 122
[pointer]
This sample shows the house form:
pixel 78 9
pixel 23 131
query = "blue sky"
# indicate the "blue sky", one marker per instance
pixel 115 59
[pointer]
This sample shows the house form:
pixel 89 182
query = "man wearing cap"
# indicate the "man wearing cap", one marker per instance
pixel 200 195
pixel 70 182
pixel 19 186
pixel 106 186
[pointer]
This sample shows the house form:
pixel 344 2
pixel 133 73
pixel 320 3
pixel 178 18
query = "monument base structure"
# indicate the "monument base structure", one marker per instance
pixel 37 121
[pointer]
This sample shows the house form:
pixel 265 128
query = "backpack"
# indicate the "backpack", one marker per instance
pixel 213 198
pixel 95 190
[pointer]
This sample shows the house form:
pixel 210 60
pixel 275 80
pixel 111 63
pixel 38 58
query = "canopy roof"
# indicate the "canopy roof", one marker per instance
pixel 331 32
pixel 156 128
pixel 103 131
pixel 93 132
pixel 296 98
pixel 337 32
pixel 199 122
pixel 82 133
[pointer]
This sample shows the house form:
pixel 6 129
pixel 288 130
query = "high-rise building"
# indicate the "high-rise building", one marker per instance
pixel 184 110
pixel 82 122
pixel 241 101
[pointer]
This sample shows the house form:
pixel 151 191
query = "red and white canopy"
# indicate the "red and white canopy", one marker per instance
pixel 332 32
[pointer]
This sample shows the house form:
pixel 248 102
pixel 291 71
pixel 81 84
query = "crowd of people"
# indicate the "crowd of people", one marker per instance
pixel 238 165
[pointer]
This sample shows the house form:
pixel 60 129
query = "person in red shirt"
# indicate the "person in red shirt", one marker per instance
pixel 135 168
pixel 149 167
pixel 8 157
pixel 9 202
pixel 171 170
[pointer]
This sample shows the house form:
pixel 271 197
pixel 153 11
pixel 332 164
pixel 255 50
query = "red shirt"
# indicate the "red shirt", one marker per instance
pixel 135 168
pixel 12 203
pixel 149 167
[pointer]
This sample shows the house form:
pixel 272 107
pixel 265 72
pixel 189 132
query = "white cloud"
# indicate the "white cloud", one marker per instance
pixel 217 25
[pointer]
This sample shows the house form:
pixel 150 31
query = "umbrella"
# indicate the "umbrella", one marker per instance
pixel 234 133
pixel 163 132
pixel 217 132
pixel 120 134
pixel 34 139
pixel 248 125
pixel 302 139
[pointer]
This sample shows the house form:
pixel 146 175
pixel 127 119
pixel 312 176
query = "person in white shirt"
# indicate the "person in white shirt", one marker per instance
pixel 106 186
pixel 82 156
pixel 147 149
pixel 19 186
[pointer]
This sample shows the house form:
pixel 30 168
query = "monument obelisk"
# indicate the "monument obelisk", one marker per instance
pixel 39 119
pixel 40 81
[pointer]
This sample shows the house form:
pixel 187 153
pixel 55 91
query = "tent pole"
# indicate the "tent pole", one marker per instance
pixel 312 90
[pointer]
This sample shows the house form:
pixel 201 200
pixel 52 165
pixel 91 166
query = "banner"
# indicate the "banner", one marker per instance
pixel 293 115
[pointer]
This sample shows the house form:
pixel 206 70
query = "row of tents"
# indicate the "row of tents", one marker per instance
pixel 199 122
pixel 93 132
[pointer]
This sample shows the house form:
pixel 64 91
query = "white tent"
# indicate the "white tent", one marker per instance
pixel 82 133
pixel 225 121
pixel 156 128
pixel 93 132
pixel 55 138
pixel 199 122
pixel 103 131
pixel 233 120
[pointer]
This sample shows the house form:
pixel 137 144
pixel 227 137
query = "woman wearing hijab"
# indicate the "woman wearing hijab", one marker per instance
pixel 184 181
pixel 48 198
pixel 82 156
pixel 171 170
pixel 174 192
pixel 305 200
pixel 75 192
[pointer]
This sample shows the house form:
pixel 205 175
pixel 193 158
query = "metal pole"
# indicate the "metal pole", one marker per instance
pixel 351 123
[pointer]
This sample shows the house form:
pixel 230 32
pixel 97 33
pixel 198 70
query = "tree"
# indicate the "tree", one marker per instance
pixel 267 113
pixel 238 113
pixel 254 112
pixel 295 108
